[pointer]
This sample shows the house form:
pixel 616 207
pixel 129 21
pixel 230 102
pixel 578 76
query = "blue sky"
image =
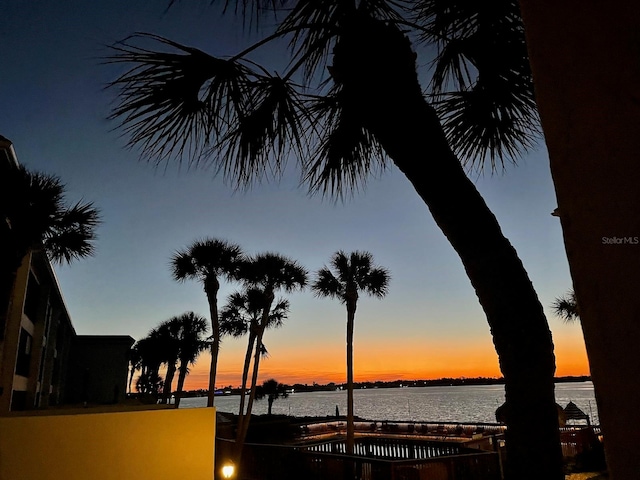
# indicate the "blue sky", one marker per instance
pixel 54 110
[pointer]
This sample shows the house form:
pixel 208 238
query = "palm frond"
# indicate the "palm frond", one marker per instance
pixel 182 266
pixel 377 282
pixel 490 123
pixel 273 271
pixel 567 307
pixel 174 103
pixel 327 285
pixel 69 244
pixel 273 123
pixel 346 153
pixel 481 78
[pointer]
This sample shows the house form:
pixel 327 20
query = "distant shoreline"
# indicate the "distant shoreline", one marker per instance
pixel 440 382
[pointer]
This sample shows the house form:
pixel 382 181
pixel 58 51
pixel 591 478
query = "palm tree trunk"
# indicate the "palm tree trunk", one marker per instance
pixel 242 433
pixel 168 381
pixel 378 74
pixel 182 375
pixel 211 288
pixel 351 313
pixel 245 375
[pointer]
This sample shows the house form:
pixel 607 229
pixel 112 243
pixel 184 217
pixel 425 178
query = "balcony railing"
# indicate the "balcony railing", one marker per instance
pixel 374 459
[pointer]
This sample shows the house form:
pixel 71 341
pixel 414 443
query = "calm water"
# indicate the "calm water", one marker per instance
pixel 473 403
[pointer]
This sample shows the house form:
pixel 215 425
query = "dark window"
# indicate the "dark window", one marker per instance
pixel 24 353
pixel 19 400
pixel 33 298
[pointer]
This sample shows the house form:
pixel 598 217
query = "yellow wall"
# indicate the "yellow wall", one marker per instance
pixel 152 444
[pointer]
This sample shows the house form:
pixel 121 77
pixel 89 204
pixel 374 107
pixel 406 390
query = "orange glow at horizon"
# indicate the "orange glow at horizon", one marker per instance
pixel 377 360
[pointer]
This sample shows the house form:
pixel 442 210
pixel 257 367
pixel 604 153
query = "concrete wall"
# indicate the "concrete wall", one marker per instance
pixel 150 444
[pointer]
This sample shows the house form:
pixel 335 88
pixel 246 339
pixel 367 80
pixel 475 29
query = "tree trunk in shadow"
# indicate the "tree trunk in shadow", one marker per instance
pixel 585 62
pixel 211 290
pixel 351 313
pixel 376 68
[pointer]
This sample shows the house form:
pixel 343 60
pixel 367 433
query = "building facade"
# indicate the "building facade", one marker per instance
pixel 43 362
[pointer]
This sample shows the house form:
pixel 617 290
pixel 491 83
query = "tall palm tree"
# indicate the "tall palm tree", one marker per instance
pixel 208 261
pixel 352 273
pixel 272 390
pixel 242 314
pixel 191 342
pixel 34 215
pixel 367 110
pixel 268 272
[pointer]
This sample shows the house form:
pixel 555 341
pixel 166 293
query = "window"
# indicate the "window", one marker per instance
pixel 32 299
pixel 24 353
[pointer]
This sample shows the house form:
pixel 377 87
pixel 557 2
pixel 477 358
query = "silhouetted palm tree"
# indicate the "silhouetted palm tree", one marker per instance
pixel 191 342
pixel 167 335
pixel 272 390
pixel 152 355
pixel 135 364
pixel 242 314
pixel 268 272
pixel 369 110
pixel 352 273
pixel 207 261
pixel 567 307
pixel 34 215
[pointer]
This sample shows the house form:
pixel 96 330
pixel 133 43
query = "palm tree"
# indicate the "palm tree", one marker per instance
pixel 207 261
pixel 152 355
pixel 242 314
pixel 567 307
pixel 370 110
pixel 268 272
pixel 135 364
pixel 34 216
pixel 272 390
pixel 351 274
pixel 191 342
pixel 166 334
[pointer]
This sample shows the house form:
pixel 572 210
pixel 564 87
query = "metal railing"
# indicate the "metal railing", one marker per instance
pixel 375 459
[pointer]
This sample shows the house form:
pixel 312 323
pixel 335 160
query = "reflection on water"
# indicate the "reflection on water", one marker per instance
pixel 473 403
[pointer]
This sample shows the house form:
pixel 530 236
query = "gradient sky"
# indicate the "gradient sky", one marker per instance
pixel 54 108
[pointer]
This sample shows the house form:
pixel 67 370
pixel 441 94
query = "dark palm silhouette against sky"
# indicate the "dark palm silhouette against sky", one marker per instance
pixel 52 85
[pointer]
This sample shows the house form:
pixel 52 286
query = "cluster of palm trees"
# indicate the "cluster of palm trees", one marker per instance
pixel 249 311
pixel 175 343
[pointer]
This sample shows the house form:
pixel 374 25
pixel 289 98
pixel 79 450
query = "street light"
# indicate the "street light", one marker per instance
pixel 228 470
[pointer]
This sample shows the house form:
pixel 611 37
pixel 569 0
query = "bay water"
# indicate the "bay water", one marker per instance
pixel 465 403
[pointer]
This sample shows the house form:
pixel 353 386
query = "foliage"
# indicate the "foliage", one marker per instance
pixel 178 339
pixel 34 208
pixel 272 390
pixel 177 102
pixel 567 307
